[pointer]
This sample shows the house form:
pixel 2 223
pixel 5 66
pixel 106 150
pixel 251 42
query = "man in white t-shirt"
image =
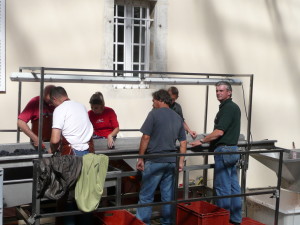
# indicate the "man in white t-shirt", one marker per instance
pixel 70 119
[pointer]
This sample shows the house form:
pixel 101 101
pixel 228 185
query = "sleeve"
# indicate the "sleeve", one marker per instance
pixel 114 120
pixel 28 111
pixel 58 119
pixel 147 126
pixel 179 110
pixel 182 133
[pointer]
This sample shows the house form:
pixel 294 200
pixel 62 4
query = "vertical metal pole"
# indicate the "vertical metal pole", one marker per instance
pixel 278 188
pixel 206 108
pixel 36 204
pixel 186 179
pixel 175 197
pixel 19 107
pixel 118 191
pixel 1 196
pixel 205 158
pixel 19 110
pixel 40 132
pixel 248 148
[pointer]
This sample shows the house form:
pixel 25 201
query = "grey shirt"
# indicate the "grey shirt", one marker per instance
pixel 164 126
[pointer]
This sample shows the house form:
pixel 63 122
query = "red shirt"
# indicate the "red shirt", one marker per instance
pixel 105 122
pixel 31 111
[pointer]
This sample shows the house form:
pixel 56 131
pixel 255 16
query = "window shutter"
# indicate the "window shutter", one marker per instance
pixel 2 45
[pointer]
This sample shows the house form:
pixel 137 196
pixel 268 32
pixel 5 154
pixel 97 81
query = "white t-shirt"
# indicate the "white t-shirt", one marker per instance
pixel 72 119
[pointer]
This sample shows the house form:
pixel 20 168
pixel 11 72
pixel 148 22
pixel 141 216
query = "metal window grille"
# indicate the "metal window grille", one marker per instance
pixel 131 36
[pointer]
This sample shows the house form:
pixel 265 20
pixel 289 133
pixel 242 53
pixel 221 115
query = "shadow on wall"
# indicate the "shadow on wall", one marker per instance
pixel 216 32
pixel 289 56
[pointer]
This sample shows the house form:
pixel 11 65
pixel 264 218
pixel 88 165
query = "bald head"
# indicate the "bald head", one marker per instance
pixel 47 91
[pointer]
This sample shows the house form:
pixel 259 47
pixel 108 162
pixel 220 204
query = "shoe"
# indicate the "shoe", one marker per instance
pixel 234 223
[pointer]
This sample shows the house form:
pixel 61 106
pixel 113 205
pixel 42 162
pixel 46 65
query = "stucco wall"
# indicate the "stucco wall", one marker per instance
pixel 256 37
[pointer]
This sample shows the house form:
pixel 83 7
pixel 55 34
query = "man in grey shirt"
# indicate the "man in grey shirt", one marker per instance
pixel 161 129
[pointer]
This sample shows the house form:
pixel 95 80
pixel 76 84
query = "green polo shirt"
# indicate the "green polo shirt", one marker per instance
pixel 228 119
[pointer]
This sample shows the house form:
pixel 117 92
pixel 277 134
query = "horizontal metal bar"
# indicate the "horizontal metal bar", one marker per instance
pixel 133 71
pixel 188 81
pixel 77 212
pixel 61 78
pixel 18 181
pixel 8 130
pixel 73 78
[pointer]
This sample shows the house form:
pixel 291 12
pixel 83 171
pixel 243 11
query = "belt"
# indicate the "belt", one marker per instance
pixel 218 145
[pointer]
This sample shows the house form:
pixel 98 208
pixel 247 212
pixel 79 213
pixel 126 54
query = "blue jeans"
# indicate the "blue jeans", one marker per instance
pixel 226 182
pixel 80 153
pixel 156 174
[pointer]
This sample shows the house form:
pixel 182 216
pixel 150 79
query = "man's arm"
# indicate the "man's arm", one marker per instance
pixel 25 128
pixel 143 147
pixel 55 140
pixel 211 137
pixel 182 150
pixel 191 132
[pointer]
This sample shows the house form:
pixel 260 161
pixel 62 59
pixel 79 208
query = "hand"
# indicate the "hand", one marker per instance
pixel 110 142
pixel 36 145
pixel 193 134
pixel 181 164
pixel 195 143
pixel 140 164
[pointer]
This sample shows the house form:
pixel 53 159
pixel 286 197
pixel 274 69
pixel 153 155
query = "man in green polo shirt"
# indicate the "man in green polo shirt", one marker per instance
pixel 224 138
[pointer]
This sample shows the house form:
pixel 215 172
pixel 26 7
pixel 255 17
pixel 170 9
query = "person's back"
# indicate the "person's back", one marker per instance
pixel 167 125
pixel 75 124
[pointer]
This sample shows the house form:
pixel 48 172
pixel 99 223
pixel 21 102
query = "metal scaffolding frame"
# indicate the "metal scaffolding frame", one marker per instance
pixel 75 75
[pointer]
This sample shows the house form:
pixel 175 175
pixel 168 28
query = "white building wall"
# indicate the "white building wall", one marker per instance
pixel 256 37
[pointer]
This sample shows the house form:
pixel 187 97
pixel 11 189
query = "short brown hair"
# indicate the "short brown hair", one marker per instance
pixel 174 91
pixel 97 99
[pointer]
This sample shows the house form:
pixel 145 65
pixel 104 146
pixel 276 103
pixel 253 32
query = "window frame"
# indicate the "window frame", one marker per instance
pixel 129 27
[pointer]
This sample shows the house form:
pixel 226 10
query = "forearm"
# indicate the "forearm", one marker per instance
pixel 54 147
pixel 182 150
pixel 55 140
pixel 114 132
pixel 212 136
pixel 25 128
pixel 144 144
pixel 186 127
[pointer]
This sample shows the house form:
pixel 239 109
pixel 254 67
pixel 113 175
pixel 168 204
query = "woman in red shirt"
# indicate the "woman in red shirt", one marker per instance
pixel 104 119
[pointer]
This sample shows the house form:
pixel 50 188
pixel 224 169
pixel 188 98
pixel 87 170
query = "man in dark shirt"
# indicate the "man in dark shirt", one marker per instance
pixel 224 138
pixel 161 129
pixel 173 92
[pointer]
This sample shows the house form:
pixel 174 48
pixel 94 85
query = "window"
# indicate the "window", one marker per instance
pixel 131 35
pixel 2 45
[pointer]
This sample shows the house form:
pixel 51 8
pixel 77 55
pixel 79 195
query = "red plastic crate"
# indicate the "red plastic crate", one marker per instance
pixel 117 217
pixel 201 213
pixel 249 221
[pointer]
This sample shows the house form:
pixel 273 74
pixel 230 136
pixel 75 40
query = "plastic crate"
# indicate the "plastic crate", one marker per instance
pixel 119 217
pixel 249 221
pixel 201 213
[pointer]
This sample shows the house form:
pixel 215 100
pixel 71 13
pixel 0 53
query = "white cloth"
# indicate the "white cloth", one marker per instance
pixel 72 119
